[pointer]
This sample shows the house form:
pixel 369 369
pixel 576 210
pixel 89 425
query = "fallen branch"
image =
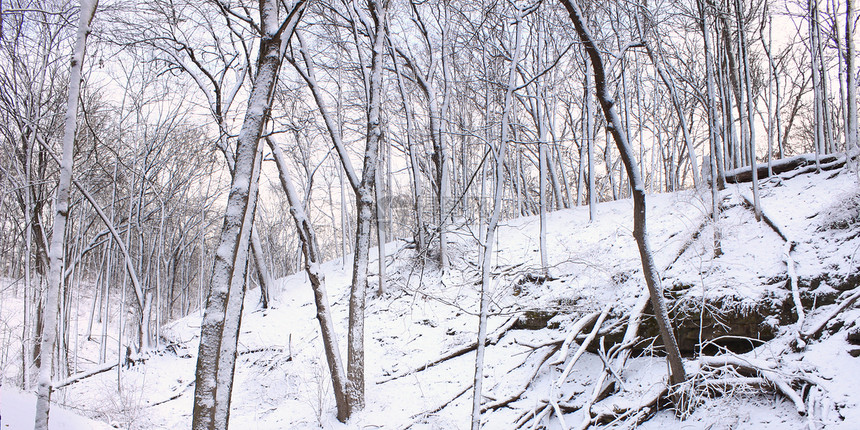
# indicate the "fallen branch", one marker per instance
pixel 832 165
pixel 789 264
pixel 583 346
pixel 263 349
pixel 816 329
pixel 491 340
pixel 642 409
pixel 506 401
pixel 173 397
pixel 578 326
pixel 438 408
pixel 83 375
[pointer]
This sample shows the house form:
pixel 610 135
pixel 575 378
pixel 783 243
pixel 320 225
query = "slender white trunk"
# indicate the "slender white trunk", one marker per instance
pixel 488 237
pixel 588 135
pixel 750 101
pixel 715 160
pixel 61 214
pixel 812 6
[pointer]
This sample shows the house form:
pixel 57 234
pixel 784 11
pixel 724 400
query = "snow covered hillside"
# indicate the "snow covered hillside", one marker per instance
pixel 558 342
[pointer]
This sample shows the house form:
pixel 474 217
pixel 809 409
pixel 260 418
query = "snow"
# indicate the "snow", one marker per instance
pixel 282 378
pixel 18 409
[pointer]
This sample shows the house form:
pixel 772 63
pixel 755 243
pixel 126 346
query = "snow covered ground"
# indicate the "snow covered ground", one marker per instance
pixel 282 381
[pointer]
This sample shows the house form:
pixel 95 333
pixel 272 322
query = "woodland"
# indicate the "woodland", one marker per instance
pixel 587 214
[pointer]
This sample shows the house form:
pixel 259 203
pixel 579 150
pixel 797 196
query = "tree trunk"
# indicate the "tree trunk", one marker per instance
pixel 414 168
pixel 364 207
pixel 851 94
pixel 750 101
pixel 652 278
pixel 489 235
pixel 588 135
pixel 61 214
pixel 230 258
pixel 313 257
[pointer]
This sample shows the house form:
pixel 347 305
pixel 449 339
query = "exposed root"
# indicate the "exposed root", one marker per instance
pixel 766 372
pixel 582 347
pixel 799 342
pixel 578 326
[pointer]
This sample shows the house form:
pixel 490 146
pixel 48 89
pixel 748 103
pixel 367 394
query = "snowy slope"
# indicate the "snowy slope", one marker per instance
pixel 282 381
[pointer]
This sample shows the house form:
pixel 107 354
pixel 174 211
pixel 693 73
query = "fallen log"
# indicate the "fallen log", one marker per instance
pixel 744 174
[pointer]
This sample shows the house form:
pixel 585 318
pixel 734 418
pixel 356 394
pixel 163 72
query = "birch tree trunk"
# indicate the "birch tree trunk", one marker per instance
pixel 56 253
pixel 230 258
pixel 652 278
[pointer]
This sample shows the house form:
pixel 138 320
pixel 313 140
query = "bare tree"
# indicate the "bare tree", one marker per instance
pixel 56 252
pixel 224 301
pixel 677 374
pixel 489 236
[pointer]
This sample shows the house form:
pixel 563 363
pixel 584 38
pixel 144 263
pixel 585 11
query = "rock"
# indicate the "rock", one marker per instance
pixel 854 335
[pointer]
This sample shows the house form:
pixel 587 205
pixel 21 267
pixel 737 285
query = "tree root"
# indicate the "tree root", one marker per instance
pixel 790 269
pixel 766 372
pixel 578 326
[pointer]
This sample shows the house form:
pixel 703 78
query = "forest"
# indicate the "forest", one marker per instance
pixel 429 214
